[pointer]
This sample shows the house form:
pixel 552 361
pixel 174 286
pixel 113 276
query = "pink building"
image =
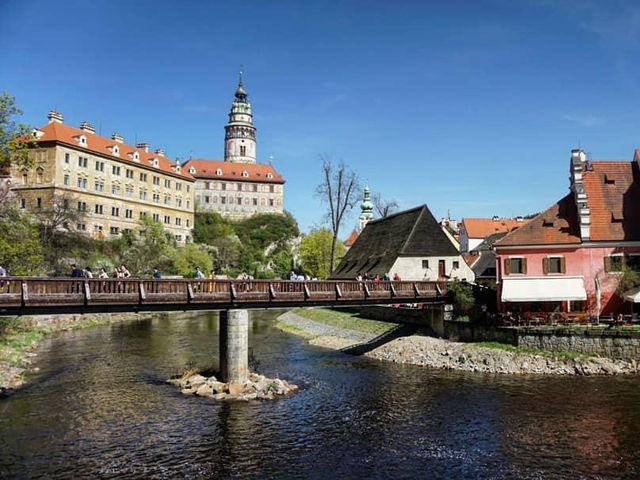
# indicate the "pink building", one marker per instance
pixel 570 257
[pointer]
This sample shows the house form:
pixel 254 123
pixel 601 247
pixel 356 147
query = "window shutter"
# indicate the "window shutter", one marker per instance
pixel 563 265
pixel 545 265
pixel 607 263
pixel 507 270
pixel 524 266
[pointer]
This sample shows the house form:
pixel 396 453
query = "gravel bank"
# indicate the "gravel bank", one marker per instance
pixel 438 353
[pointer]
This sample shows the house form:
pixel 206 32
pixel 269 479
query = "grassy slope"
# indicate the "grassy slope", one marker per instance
pixel 344 319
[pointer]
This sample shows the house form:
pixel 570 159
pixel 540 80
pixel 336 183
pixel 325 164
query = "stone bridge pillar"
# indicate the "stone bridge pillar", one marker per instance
pixel 234 345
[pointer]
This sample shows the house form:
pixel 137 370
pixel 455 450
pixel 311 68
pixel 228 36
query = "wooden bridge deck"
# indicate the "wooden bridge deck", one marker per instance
pixel 30 296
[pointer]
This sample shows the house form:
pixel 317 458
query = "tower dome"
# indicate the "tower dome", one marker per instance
pixel 366 207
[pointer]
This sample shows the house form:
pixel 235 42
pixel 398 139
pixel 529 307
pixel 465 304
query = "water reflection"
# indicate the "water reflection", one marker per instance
pixel 100 408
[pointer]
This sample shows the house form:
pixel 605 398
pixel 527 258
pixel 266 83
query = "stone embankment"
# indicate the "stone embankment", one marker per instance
pixel 438 353
pixel 256 387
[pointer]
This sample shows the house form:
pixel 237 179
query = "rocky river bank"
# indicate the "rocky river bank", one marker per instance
pixel 433 352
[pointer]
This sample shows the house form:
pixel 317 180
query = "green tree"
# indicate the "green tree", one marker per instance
pixel 627 280
pixel 149 247
pixel 14 143
pixel 20 248
pixel 192 255
pixel 315 252
pixel 462 296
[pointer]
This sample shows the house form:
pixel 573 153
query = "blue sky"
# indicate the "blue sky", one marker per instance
pixel 470 107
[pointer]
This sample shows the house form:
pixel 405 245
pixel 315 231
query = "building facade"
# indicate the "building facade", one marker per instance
pixel 111 184
pixel 409 243
pixel 237 187
pixel 572 256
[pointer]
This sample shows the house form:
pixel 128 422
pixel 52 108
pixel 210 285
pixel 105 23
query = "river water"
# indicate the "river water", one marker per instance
pixel 99 408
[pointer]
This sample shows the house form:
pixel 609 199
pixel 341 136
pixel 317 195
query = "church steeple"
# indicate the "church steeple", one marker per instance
pixel 240 134
pixel 367 208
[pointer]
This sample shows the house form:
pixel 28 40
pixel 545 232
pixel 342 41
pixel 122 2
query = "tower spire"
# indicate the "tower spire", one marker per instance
pixel 240 134
pixel 241 93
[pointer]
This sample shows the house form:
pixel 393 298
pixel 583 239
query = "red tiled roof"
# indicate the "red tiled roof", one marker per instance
pixel 351 238
pixel 95 143
pixel 613 198
pixel 233 171
pixel 483 227
pixel 470 259
pixel 558 224
pixel 613 195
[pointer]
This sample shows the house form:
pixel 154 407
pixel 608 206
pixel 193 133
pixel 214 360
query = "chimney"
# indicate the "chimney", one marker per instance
pixel 519 218
pixel 117 137
pixel 495 218
pixel 87 127
pixel 55 117
pixel 160 151
pixel 578 159
pixel 143 146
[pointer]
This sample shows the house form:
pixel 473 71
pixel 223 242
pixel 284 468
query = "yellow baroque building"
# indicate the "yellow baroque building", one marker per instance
pixel 112 184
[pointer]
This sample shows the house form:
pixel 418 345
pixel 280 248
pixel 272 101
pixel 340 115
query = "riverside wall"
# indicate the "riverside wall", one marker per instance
pixel 617 344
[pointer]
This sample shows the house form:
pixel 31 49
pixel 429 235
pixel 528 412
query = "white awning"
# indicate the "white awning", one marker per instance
pixel 633 295
pixel 545 289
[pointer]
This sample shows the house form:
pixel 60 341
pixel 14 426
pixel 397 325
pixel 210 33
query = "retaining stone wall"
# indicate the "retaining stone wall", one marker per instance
pixel 611 344
pixel 605 343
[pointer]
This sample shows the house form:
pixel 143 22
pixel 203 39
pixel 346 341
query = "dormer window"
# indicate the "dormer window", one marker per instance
pixel 136 157
pixel 192 170
pixel 115 150
pixel 82 140
pixel 219 172
pixel 269 175
pixel 178 168
pixel 609 181
pixel 154 162
pixel 245 174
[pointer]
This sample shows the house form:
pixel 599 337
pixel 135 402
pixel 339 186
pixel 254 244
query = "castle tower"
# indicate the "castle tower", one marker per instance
pixel 240 134
pixel 367 208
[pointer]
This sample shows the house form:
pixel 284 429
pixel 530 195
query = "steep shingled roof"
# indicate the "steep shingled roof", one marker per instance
pixel 613 198
pixel 558 224
pixel 613 195
pixel 410 233
pixel 233 171
pixel 66 134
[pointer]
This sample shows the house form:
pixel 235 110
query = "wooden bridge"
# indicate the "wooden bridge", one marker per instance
pixel 32 296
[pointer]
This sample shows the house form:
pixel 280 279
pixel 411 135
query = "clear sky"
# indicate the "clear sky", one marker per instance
pixel 470 107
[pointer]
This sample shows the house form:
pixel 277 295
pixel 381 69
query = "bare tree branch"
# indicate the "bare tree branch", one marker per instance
pixel 383 207
pixel 339 190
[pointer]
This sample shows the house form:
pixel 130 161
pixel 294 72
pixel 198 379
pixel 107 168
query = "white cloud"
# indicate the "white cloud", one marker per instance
pixel 586 120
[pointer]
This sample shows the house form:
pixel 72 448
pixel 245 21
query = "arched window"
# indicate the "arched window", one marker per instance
pixel 39 175
pixel 219 171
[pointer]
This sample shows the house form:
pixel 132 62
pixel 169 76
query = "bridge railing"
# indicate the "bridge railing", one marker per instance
pixel 22 291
